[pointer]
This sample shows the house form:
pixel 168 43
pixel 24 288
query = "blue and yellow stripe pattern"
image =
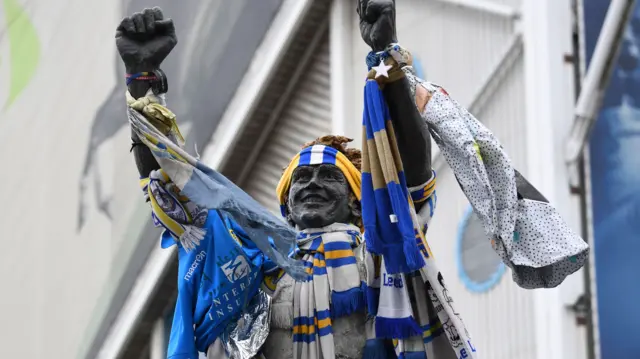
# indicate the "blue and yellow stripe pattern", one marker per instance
pixel 422 193
pixel 331 267
pixel 305 329
pixel 388 212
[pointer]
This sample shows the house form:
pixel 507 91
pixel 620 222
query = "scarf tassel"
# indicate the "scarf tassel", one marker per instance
pixel 191 237
pixel 397 328
pixel 405 259
pixel 369 206
pixel 373 300
pixel 347 302
pixel 372 239
pixel 412 255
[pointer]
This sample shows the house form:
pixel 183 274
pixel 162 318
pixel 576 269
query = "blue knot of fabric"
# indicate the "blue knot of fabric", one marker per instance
pixel 373 59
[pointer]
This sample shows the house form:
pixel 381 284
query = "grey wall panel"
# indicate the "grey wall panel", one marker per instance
pixel 305 117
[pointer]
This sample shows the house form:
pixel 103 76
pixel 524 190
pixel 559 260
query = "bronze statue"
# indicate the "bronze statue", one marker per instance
pixel 349 304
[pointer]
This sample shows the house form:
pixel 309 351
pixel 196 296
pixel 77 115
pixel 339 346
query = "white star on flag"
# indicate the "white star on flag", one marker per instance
pixel 382 69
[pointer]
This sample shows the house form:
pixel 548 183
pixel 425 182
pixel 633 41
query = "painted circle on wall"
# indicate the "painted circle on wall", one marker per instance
pixel 479 267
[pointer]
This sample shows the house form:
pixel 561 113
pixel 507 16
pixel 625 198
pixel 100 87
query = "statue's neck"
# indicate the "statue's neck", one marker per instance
pixel 334 227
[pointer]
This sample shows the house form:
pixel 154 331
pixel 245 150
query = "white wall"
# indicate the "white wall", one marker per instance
pixel 53 275
pixel 550 98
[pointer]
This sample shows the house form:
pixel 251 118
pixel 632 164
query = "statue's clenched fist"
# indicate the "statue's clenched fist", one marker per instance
pixel 145 39
pixel 377 23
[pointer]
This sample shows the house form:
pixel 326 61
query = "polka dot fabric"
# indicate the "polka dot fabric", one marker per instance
pixel 457 145
pixel 543 250
pixel 530 236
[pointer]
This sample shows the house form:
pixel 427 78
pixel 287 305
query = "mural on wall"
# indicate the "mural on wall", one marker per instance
pixel 615 179
pixel 23 53
pixel 211 34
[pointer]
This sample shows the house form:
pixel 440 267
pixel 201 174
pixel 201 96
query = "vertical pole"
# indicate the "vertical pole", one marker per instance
pixel 340 40
pixel 592 348
pixel 546 26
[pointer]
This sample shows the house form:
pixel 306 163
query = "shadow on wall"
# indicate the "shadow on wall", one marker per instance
pixel 211 35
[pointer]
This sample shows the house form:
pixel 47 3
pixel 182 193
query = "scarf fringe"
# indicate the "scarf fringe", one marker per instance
pixel 347 302
pixel 409 251
pixel 373 300
pixel 191 237
pixel 372 239
pixel 412 255
pixel 397 328
pixel 378 349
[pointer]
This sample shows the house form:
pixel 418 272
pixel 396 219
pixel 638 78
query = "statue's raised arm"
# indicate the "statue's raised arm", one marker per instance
pixel 378 30
pixel 144 40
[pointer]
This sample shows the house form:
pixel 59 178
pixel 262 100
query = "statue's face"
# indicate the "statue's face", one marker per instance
pixel 319 196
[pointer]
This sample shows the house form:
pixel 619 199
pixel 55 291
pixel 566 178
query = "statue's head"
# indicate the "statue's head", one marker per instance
pixel 320 188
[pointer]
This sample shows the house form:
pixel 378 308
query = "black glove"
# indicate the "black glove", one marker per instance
pixel 145 39
pixel 377 23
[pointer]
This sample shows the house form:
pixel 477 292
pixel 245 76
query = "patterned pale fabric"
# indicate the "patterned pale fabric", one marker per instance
pixel 526 231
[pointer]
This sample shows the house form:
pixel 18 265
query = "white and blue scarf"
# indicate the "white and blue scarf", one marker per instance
pixel 328 255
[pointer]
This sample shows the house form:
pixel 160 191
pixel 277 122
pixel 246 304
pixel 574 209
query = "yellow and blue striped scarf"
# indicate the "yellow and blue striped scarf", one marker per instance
pixel 331 265
pixel 328 254
pixel 387 207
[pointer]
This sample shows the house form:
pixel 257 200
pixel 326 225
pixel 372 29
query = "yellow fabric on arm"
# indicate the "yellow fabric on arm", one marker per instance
pixel 168 222
pixel 158 115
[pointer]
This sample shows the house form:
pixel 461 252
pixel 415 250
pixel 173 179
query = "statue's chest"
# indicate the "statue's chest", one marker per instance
pixel 348 332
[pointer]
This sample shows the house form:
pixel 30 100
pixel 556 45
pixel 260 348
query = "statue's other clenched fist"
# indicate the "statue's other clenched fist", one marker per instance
pixel 145 39
pixel 378 23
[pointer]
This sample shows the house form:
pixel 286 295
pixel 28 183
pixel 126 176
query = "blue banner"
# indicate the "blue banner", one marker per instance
pixel 615 178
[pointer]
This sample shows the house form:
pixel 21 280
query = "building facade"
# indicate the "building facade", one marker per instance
pixel 302 77
pixel 79 227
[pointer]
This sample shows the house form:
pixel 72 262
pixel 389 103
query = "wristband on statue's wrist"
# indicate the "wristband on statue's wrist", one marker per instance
pixel 156 79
